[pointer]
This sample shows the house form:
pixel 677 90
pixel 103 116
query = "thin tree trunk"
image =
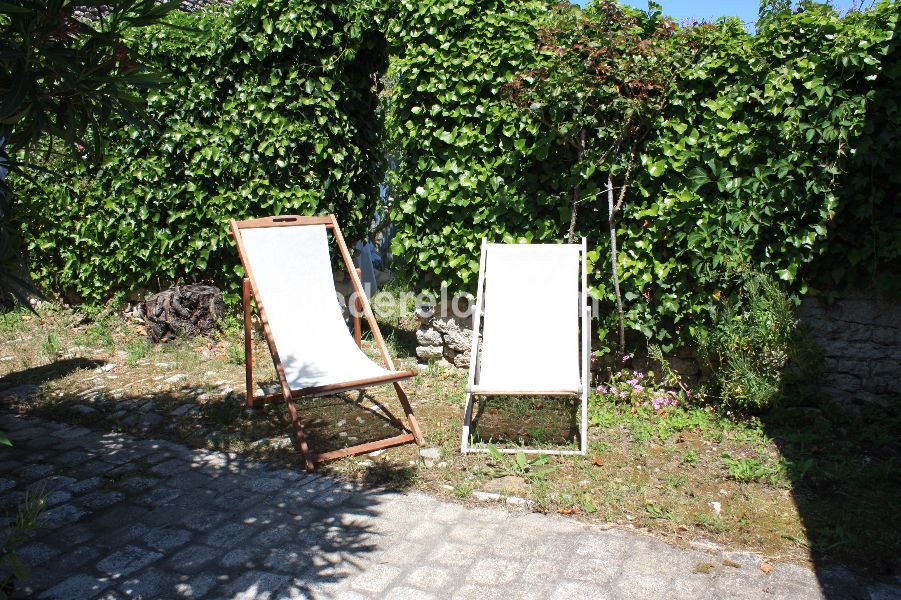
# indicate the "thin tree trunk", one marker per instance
pixel 576 191
pixel 612 211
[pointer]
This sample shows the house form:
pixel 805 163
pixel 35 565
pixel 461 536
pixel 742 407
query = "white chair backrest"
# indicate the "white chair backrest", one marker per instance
pixel 530 335
pixel 293 276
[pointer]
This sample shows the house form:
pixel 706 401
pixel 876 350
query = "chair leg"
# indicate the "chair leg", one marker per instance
pixel 408 410
pixel 299 436
pixel 583 442
pixel 467 419
pixel 248 341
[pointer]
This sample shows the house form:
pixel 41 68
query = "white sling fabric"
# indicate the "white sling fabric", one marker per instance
pixel 530 336
pixel 293 276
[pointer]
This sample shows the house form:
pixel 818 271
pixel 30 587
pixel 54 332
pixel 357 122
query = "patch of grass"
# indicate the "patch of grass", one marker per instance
pixel 703 568
pixel 746 470
pixel 51 347
pixel 136 349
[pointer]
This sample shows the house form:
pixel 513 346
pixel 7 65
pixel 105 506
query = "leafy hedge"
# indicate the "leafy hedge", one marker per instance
pixel 459 148
pixel 778 152
pixel 271 109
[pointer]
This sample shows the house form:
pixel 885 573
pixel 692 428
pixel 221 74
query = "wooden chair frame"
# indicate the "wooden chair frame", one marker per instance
pixel 287 395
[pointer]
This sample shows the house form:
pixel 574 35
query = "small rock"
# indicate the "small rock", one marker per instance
pixel 509 484
pixel 82 409
pixel 428 337
pixel 105 368
pixel 485 496
pixel 517 501
pixel 429 456
pixel 175 378
pixel 179 411
pixel 717 507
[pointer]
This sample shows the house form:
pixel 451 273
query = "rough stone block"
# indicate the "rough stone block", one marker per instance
pixel 428 337
pixel 427 353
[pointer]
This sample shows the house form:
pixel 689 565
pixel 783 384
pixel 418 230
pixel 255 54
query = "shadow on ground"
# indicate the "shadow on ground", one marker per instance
pixel 536 422
pixel 152 519
pixel 218 423
pixel 45 373
pixel 844 470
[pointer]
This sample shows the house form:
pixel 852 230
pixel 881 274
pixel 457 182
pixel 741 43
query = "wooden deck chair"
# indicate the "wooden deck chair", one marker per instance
pixel 289 275
pixel 533 311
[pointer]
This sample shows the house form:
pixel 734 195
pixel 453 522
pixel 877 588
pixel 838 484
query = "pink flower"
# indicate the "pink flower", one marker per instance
pixel 627 358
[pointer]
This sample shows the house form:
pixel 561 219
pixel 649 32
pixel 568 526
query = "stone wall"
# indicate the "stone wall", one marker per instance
pixel 444 339
pixel 860 335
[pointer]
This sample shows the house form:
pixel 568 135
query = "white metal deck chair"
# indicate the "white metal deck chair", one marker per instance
pixel 289 275
pixel 533 301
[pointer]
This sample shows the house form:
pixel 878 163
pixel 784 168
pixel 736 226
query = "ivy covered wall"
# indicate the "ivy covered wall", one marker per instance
pixel 778 151
pixel 270 109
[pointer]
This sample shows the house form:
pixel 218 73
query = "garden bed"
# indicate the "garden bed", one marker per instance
pixel 803 484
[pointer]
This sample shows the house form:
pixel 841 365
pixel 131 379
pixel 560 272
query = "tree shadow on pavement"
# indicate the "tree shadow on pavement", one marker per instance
pixel 151 518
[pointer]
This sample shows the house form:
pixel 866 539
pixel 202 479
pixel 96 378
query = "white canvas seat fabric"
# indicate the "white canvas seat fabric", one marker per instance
pixel 530 335
pixel 293 276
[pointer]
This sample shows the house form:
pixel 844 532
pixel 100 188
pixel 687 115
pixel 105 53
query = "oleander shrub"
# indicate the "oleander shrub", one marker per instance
pixel 270 109
pixel 755 348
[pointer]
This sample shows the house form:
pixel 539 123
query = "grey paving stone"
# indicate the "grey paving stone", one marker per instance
pixel 139 483
pixel 239 557
pixel 193 558
pixel 77 587
pixel 264 484
pixel 61 515
pixel 289 559
pixel 126 561
pixel 255 585
pixel 86 485
pixel 228 535
pixel 121 516
pixel 170 467
pixel 273 535
pixel 566 590
pixel 198 587
pixel 430 577
pixel 57 497
pixel 375 578
pixel 160 496
pixel 36 554
pixel 151 583
pixel 167 538
pixel 35 472
pixel 100 499
pixel 494 570
pixel 404 592
pixel 201 520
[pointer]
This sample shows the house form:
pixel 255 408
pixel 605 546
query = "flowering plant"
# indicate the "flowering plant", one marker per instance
pixel 640 390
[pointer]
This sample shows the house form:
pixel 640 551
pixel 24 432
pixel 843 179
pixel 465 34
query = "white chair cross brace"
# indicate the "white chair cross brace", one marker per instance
pixel 533 312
